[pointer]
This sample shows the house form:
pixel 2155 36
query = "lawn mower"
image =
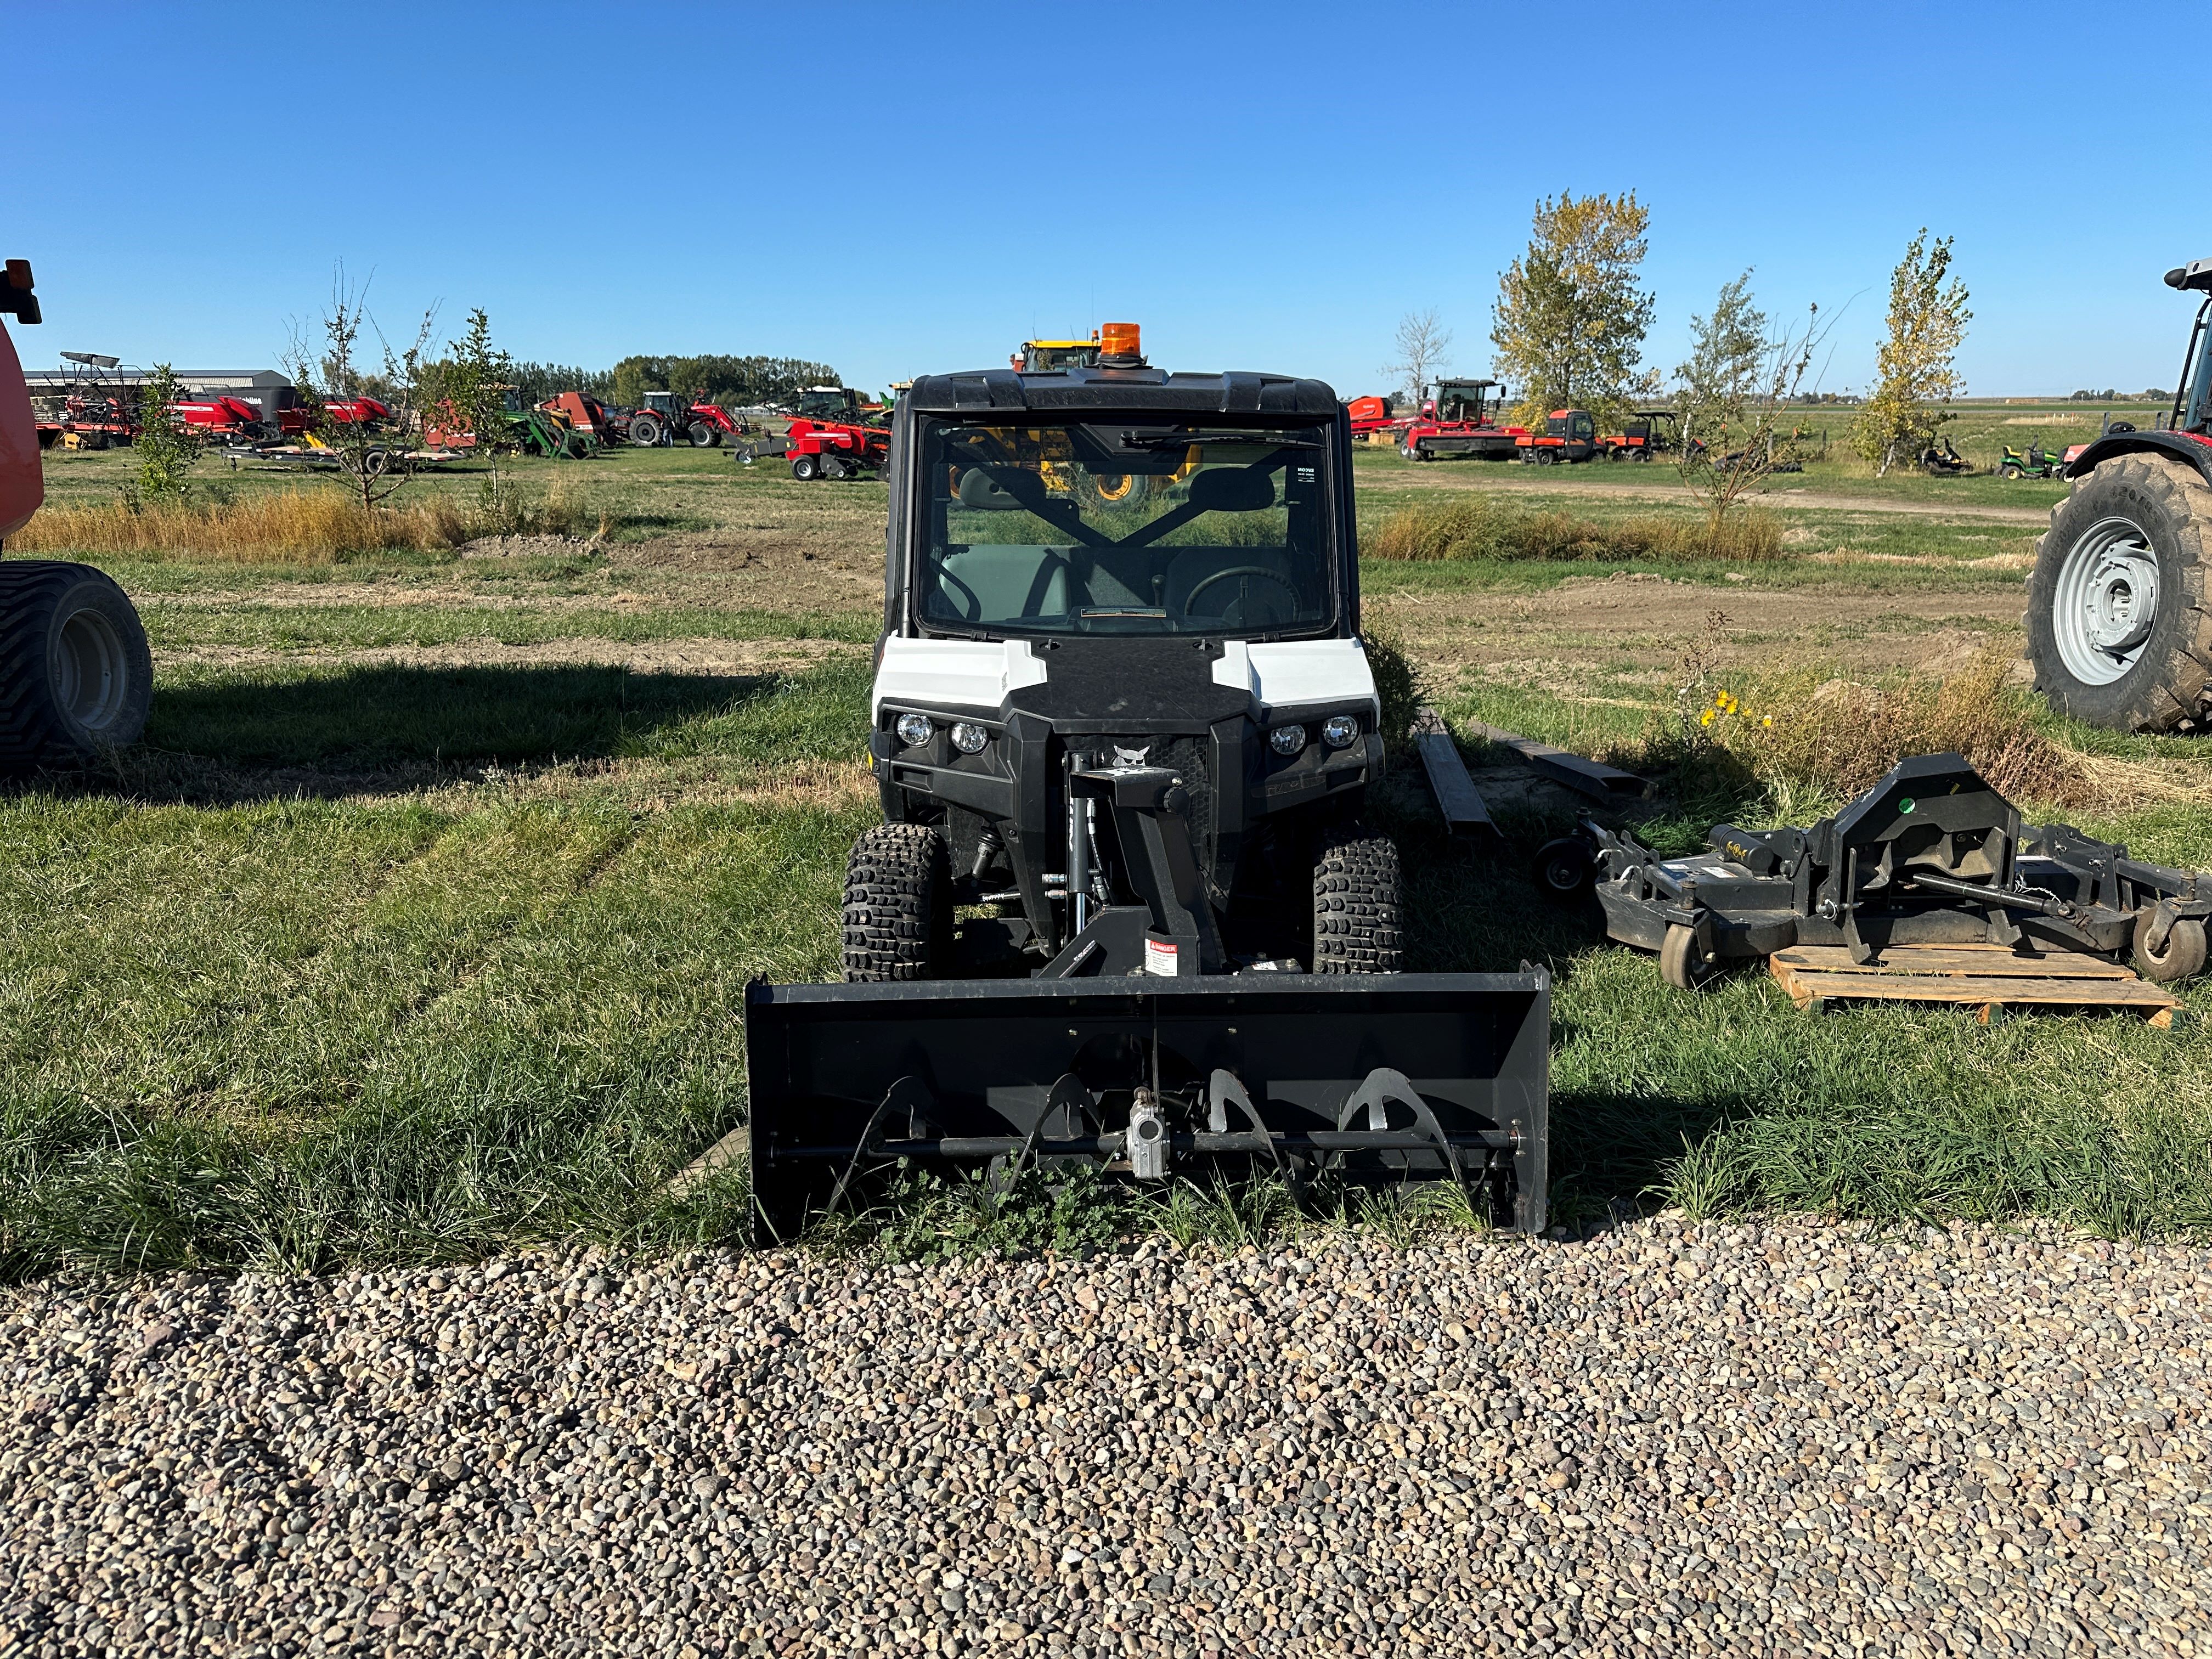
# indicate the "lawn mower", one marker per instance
pixel 1931 855
pixel 2038 463
pixel 1123 911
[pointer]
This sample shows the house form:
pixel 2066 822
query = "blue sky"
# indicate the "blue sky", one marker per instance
pixel 901 189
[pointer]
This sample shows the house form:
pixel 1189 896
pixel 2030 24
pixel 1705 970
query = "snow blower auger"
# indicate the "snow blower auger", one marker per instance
pixel 1931 856
pixel 1122 911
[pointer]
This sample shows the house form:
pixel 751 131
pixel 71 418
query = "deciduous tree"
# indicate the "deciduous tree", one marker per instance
pixel 1570 321
pixel 167 452
pixel 1421 342
pixel 1917 373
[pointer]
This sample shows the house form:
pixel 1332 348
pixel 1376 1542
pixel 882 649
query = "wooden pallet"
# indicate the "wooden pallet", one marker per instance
pixel 1982 976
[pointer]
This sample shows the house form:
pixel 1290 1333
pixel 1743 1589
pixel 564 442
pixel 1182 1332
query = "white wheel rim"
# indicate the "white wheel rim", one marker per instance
pixel 2105 602
pixel 91 676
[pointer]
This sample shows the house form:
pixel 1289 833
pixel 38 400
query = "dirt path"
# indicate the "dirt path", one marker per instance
pixel 1553 480
pixel 1638 627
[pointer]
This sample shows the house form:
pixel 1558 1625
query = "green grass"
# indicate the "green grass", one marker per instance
pixel 319 977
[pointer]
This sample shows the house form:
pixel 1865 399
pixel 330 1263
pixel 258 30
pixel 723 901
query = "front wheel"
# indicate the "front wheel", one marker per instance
pixel 703 436
pixel 1356 905
pixel 76 677
pixel 1681 964
pixel 2181 957
pixel 897 918
pixel 2119 623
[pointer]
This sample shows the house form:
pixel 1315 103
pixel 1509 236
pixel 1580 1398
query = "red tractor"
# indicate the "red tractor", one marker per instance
pixel 2119 603
pixel 666 415
pixel 1460 417
pixel 76 677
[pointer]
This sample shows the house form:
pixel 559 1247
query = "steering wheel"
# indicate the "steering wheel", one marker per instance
pixel 1190 599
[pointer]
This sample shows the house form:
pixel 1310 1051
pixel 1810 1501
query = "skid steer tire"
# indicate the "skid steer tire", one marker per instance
pixel 2141 513
pixel 898 913
pixel 1356 905
pixel 76 677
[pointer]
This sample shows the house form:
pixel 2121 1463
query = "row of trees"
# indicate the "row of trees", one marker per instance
pixel 1569 325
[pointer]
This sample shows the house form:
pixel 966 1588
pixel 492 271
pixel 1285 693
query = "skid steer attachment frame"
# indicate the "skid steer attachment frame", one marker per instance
pixel 1368 1080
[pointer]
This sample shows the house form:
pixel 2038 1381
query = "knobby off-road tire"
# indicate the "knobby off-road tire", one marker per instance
pixel 645 432
pixel 2135 515
pixel 1356 905
pixel 897 915
pixel 76 677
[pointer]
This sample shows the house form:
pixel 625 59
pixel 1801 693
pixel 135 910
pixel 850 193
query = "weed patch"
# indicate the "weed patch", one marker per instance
pixel 1478 526
pixel 302 525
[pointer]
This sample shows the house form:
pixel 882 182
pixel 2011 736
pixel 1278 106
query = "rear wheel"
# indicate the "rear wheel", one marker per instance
pixel 645 431
pixel 2119 623
pixel 75 676
pixel 1356 905
pixel 804 467
pixel 898 913
pixel 2183 958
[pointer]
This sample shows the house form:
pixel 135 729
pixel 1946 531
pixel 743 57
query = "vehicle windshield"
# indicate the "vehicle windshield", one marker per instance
pixel 1038 358
pixel 1460 403
pixel 1126 524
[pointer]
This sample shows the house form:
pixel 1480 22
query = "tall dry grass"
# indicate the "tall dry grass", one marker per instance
pixel 1483 527
pixel 302 525
pixel 1814 740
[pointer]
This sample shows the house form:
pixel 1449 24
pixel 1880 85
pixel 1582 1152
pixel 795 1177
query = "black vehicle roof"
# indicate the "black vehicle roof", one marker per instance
pixel 1121 389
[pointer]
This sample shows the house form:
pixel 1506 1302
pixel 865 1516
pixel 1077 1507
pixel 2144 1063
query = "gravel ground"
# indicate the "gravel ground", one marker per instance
pixel 1787 1438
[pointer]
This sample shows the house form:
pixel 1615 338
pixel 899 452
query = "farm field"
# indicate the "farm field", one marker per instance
pixel 418 928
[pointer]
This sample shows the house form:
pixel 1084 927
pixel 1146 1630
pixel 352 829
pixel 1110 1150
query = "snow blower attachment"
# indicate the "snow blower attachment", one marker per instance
pixel 1350 1080
pixel 1931 855
pixel 1122 910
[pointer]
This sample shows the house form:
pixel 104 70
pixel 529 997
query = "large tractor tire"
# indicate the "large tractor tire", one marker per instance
pixel 644 431
pixel 898 913
pixel 702 435
pixel 1356 904
pixel 76 677
pixel 2120 619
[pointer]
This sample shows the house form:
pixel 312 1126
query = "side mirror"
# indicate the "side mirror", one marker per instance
pixel 2196 274
pixel 1000 489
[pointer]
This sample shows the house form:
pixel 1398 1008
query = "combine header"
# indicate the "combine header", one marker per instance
pixel 1123 716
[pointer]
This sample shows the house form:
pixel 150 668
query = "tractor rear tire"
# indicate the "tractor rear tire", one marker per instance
pixel 2096 656
pixel 804 467
pixel 645 432
pixel 897 915
pixel 76 677
pixel 2183 958
pixel 1357 902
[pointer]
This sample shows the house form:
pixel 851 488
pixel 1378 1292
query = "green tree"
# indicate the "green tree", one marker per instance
pixel 167 452
pixel 473 380
pixel 1728 347
pixel 1570 321
pixel 1917 373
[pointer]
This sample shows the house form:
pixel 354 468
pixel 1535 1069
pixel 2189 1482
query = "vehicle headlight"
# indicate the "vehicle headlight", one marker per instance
pixel 1287 739
pixel 1338 730
pixel 969 738
pixel 915 729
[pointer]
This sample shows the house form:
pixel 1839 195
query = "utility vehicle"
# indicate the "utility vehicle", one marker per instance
pixel 1124 907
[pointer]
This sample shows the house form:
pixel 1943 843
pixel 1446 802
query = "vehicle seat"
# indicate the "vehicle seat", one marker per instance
pixel 1002 582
